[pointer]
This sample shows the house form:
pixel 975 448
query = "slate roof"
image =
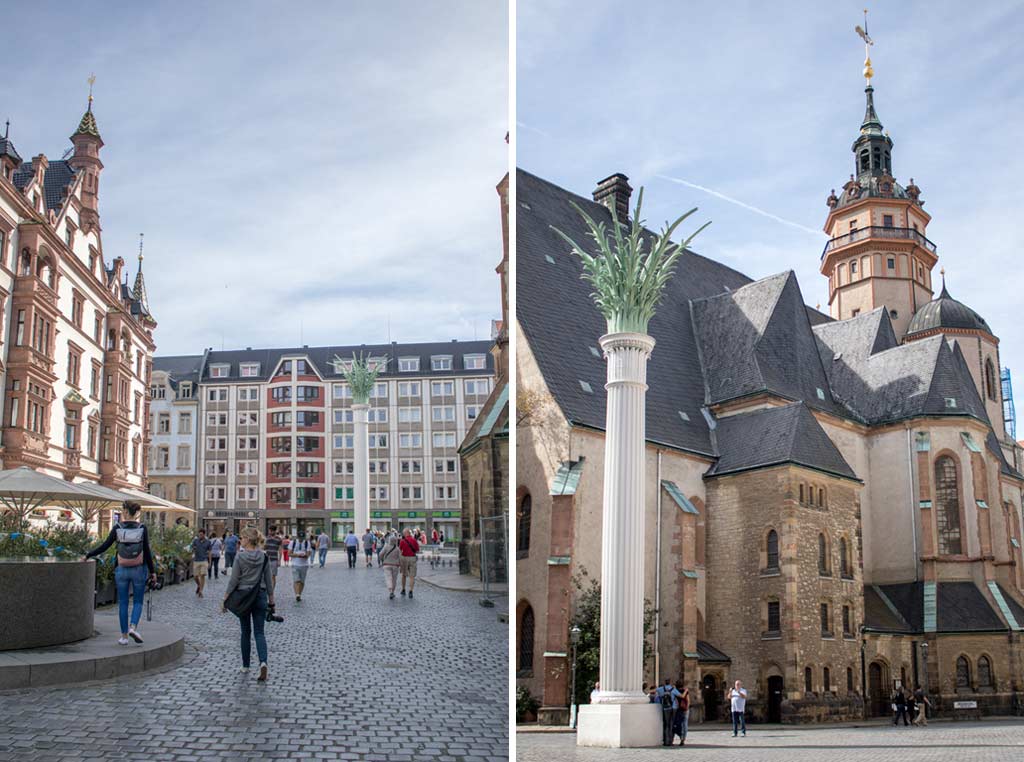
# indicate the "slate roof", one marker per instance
pixel 946 312
pixel 776 435
pixel 1014 605
pixel 59 175
pixel 320 358
pixel 708 653
pixel 7 149
pixel 180 368
pixel 960 607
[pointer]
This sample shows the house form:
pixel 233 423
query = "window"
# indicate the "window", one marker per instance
pixel 378 441
pixel 826 680
pixel 523 521
pixel 444 439
pixel 181 492
pixel 408 364
pixel 19 338
pixel 472 411
pixel 825 626
pixel 411 492
pixel 249 369
pixel 220 371
pixel 947 503
pixel 307 393
pixel 246 493
pixel 991 388
pixel 305 419
pixel 378 493
pixel 855 313
pixel 474 362
pixel 185 423
pixel 281 445
pixel 444 491
pixel 410 440
pixel 344 441
pixel 890 263
pixel 301 368
pixel 844 559
pixel 74 366
pixel 847 630
pixel 281 495
pixel 441 362
pixel 379 391
pixel 344 416
pixel 344 493
pixel 801 494
pixel 342 391
pixel 184 456
pixel 985 673
pixel 774 618
pixel 886 220
pixel 281 394
pixel 853 268
pixel 216 419
pixel 217 395
pixel 247 467
pixel 216 443
pixel 163 424
pixel 307 469
pixel 444 465
pixel 216 493
pixel 443 413
pixel 773 551
pixel 408 388
pixel 342 467
pixel 285 369
pixel 248 419
pixel 307 444
pixel 248 393
pixel 281 470
pixel 377 415
pixel 410 415
pixel 808 680
pixel 378 466
pixel 963 674
pixel 216 468
pixel 185 390
pixel 823 565
pixel 526 636
pixel 413 466
pixel 442 388
pixel 849 680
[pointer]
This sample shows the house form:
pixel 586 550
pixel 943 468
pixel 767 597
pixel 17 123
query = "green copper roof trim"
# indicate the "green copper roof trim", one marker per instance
pixel 924 441
pixel 494 412
pixel 981 503
pixel 690 574
pixel 926 503
pixel 673 490
pixel 88 125
pixel 555 655
pixel 930 607
pixel 969 441
pixel 1001 602
pixel 567 478
pixel 691 655
pixel 1013 541
pixel 559 561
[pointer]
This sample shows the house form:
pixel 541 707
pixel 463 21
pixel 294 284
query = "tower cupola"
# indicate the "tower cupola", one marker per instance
pixel 86 159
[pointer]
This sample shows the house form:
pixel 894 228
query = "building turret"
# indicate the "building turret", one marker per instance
pixel 86 160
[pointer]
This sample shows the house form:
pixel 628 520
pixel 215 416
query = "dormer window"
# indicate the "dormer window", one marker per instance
pixel 474 362
pixel 441 362
pixel 249 369
pixel 220 371
pixel 185 390
pixel 408 364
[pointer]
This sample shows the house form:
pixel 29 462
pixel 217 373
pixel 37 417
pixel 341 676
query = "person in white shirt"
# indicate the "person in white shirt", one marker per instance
pixel 738 701
pixel 300 550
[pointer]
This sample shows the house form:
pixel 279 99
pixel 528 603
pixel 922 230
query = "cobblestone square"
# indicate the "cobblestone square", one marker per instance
pixel 946 741
pixel 352 676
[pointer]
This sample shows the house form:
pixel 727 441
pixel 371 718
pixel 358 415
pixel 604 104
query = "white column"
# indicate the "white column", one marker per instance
pixel 621 715
pixel 360 411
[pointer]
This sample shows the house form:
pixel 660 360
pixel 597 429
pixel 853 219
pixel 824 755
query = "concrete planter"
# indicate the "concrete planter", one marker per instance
pixel 54 597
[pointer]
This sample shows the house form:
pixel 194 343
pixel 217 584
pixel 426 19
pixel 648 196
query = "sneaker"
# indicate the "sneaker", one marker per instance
pixel 122 641
pixel 403 593
pixel 244 670
pixel 263 672
pixel 298 598
pixel 134 635
pixel 410 593
pixel 392 596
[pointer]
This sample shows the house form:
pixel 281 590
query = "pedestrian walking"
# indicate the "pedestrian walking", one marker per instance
pixel 133 567
pixel 216 546
pixel 253 587
pixel 299 551
pixel 440 538
pixel 231 543
pixel 668 698
pixel 435 536
pixel 351 547
pixel 369 541
pixel 284 547
pixel 272 547
pixel 408 547
pixel 200 548
pixel 911 707
pixel 899 707
pixel 737 696
pixel 390 560
pixel 681 726
pixel 922 702
pixel 323 544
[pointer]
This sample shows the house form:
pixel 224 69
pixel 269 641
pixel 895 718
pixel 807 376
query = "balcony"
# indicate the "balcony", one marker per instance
pixel 878 231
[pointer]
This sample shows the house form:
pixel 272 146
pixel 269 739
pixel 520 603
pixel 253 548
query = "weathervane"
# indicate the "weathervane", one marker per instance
pixel 868 42
pixel 91 81
pixel 140 248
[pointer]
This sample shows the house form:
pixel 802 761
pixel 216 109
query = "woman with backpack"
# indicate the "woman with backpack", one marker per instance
pixel 132 562
pixel 253 587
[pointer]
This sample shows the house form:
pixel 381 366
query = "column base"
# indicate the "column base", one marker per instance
pixel 619 726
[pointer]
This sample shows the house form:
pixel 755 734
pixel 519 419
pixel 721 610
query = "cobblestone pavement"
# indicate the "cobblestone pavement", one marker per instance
pixel 946 741
pixel 352 676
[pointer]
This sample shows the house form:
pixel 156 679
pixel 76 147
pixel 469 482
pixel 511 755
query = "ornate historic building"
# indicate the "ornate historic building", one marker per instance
pixel 76 340
pixel 834 507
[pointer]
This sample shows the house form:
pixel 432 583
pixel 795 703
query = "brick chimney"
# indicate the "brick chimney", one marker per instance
pixel 614 192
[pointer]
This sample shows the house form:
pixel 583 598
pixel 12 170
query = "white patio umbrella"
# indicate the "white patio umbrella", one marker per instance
pixel 23 490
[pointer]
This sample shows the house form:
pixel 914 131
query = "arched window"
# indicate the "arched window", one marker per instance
pixel 826 680
pixel 523 530
pixel 963 674
pixel 182 491
pixel 865 162
pixel 801 494
pixel 985 673
pixel 991 383
pixel 821 497
pixel 822 555
pixel 526 627
pixel 947 498
pixel 772 546
pixel 844 558
pixel 849 679
pixel 808 680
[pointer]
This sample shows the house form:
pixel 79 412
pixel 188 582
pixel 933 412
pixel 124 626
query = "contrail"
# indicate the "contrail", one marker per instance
pixel 754 209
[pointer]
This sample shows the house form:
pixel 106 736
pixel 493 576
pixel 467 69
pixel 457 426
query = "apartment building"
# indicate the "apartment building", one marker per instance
pixel 174 416
pixel 76 341
pixel 275 435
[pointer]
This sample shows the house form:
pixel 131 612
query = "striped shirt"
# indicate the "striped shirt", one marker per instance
pixel 273 547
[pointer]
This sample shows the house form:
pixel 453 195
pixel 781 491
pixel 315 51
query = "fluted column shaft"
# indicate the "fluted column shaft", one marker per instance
pixel 362 467
pixel 622 534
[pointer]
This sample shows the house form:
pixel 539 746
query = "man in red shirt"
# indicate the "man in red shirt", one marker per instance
pixel 408 547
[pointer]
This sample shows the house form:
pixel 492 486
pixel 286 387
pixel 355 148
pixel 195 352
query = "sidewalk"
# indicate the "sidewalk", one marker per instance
pixel 448 578
pixel 873 722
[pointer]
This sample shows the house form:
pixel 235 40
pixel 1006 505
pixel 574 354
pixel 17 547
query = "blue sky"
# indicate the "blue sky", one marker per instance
pixel 317 170
pixel 762 101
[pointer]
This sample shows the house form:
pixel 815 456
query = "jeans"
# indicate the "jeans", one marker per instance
pixel 351 556
pixel 681 726
pixel 252 626
pixel 901 711
pixel 229 560
pixel 739 721
pixel 134 577
pixel 214 568
pixel 323 556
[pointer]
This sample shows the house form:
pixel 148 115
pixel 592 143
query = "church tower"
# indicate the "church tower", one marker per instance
pixel 878 252
pixel 86 159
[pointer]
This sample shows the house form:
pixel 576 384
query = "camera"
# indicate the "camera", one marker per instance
pixel 272 617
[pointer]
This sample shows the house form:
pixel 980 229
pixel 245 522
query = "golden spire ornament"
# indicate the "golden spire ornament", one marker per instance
pixel 868 42
pixel 91 81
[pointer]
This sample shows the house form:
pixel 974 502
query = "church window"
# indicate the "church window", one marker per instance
pixel 774 618
pixel 887 220
pixel 826 680
pixel 849 679
pixel 526 637
pixel 963 674
pixel 772 548
pixel 821 493
pixel 990 380
pixel 801 494
pixel 847 629
pixel 985 672
pixel 826 630
pixel 523 530
pixel 808 680
pixel 853 268
pixel 844 558
pixel 888 162
pixel 865 161
pixel 891 263
pixel 822 555
pixel 947 499
pixel 877 156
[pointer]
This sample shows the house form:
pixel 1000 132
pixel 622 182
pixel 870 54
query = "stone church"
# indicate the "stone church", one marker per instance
pixel 833 504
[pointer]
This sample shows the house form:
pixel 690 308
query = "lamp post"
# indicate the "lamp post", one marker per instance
pixel 924 672
pixel 574 638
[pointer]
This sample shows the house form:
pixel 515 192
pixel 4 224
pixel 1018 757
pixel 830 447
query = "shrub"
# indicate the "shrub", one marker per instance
pixel 526 704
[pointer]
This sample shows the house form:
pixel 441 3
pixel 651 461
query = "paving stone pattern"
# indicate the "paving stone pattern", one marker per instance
pixel 352 676
pixel 941 741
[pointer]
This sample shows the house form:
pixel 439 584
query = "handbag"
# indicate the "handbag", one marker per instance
pixel 240 602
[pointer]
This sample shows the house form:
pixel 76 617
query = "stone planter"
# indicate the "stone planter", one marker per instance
pixel 46 601
pixel 106 593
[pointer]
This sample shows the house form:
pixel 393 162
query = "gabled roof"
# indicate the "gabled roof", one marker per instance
pixel 708 653
pixel 774 436
pixel 59 175
pixel 180 368
pixel 959 607
pixel 7 149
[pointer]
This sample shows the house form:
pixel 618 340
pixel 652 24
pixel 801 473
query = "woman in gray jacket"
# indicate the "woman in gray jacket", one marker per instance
pixel 248 571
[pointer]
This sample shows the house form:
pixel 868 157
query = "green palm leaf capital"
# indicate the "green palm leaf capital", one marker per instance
pixel 631 269
pixel 360 376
